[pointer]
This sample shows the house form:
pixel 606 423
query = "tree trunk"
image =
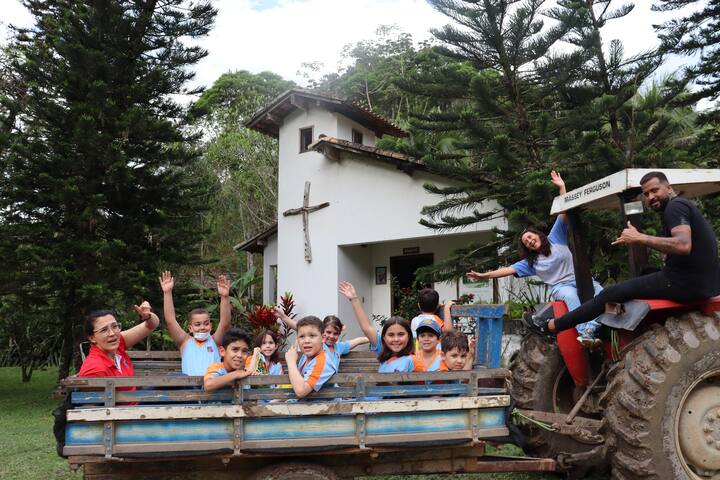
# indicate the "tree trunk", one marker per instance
pixel 27 371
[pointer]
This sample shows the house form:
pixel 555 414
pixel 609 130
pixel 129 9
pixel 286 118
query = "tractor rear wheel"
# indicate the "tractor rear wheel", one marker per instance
pixel 663 403
pixel 541 382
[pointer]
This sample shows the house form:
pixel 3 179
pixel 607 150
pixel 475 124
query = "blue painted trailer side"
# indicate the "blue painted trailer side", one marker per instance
pixel 163 432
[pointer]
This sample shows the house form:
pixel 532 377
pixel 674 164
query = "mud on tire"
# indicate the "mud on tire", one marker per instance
pixel 647 389
pixel 535 369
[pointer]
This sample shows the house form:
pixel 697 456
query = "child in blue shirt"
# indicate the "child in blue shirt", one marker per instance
pixel 198 348
pixel 393 345
pixel 268 361
pixel 313 369
pixel 332 328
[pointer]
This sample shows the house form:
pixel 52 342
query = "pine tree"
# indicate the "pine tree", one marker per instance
pixel 695 33
pixel 99 189
pixel 517 108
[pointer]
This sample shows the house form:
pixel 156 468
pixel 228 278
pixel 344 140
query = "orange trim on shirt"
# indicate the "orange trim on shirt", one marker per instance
pixel 317 370
pixel 209 373
pixel 443 367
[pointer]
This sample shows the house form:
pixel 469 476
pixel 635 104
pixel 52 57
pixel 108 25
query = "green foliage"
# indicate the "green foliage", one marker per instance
pixel 695 33
pixel 509 108
pixel 240 163
pixel 100 186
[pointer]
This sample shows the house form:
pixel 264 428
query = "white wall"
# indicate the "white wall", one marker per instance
pixel 344 130
pixel 354 266
pixel 370 202
pixel 440 246
pixel 270 257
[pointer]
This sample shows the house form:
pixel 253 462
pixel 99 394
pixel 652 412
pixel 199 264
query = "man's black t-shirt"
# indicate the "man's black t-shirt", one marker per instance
pixel 699 271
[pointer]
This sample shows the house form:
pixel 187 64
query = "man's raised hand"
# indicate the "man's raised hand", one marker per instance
pixel 628 236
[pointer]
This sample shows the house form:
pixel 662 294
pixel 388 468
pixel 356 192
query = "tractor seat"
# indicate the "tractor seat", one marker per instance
pixel 628 315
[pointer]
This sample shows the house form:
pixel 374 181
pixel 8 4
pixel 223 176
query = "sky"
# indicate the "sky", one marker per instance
pixel 279 35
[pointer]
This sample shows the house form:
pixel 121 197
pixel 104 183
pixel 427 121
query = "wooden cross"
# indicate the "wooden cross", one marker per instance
pixel 305 211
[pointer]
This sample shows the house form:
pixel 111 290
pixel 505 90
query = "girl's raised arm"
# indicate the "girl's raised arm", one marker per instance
pixel 356 342
pixel 348 291
pixel 280 313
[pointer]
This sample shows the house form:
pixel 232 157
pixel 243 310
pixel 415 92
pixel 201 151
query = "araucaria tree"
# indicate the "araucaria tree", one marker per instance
pixel 525 95
pixel 99 187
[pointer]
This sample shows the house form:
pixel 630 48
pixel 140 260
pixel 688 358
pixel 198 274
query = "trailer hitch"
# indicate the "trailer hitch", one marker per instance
pixel 583 429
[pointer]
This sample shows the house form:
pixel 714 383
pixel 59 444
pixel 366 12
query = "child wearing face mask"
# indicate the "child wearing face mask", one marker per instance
pixel 198 346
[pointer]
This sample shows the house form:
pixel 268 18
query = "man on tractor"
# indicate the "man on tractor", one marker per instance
pixel 691 272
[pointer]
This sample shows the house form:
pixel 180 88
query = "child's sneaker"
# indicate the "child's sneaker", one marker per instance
pixel 591 343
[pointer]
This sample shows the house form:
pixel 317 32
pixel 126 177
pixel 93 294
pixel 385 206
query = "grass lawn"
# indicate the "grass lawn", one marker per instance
pixel 27 445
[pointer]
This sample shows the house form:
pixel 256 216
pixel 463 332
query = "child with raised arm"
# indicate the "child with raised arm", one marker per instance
pixel 198 348
pixel 332 328
pixel 235 350
pixel 393 345
pixel 314 368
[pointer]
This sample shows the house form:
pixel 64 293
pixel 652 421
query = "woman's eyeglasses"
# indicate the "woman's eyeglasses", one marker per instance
pixel 105 331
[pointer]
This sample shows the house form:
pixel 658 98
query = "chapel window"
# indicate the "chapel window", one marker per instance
pixel 306 138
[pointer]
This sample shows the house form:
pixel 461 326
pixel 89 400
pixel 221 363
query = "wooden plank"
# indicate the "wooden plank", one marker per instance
pixel 349 378
pixel 285 409
pixel 497 464
pixel 154 355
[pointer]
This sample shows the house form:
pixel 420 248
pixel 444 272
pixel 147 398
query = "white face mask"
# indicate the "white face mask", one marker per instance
pixel 201 336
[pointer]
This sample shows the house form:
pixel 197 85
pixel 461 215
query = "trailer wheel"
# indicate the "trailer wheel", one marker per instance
pixel 663 407
pixel 541 382
pixel 295 471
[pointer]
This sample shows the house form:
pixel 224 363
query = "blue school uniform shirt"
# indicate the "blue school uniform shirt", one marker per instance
pixel 336 351
pixel 198 356
pixel 555 268
pixel 317 370
pixel 392 364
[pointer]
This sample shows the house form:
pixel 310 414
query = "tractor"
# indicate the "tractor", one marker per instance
pixel 647 403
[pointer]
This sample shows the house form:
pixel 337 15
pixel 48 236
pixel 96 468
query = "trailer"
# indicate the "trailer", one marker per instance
pixel 361 423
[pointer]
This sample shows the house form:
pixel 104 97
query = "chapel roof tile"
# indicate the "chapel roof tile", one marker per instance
pixel 269 119
pixel 402 161
pixel 257 243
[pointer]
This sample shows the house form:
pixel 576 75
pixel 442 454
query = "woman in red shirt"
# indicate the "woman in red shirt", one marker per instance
pixel 107 357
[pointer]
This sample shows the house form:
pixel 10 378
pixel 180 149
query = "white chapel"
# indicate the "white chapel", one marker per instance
pixel 348 210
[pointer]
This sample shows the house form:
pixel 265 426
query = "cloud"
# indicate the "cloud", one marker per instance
pixel 279 35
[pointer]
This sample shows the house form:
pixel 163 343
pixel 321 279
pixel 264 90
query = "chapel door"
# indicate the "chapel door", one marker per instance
pixel 403 271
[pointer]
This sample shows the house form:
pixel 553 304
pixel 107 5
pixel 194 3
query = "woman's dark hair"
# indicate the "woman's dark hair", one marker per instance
pixel 332 321
pixel 275 357
pixel 529 255
pixel 386 354
pixel 89 324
